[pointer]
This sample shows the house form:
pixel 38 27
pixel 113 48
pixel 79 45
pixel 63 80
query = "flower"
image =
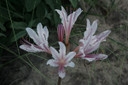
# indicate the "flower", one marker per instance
pixel 60 31
pixel 61 60
pixel 91 42
pixel 40 38
pixel 68 21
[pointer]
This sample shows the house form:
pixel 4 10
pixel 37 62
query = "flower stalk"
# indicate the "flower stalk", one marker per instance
pixel 59 81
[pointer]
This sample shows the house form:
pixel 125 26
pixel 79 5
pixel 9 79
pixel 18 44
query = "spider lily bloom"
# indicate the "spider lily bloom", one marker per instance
pixel 40 38
pixel 68 21
pixel 91 42
pixel 60 31
pixel 61 60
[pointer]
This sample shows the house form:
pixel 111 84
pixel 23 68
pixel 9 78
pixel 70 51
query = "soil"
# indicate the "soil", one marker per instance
pixel 112 71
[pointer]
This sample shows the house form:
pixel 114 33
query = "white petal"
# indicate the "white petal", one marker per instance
pixel 30 48
pixel 77 13
pixel 88 24
pixel 32 34
pixel 46 32
pixel 64 11
pixel 55 54
pixel 62 49
pixel 62 74
pixel 63 16
pixel 40 32
pixel 52 62
pixel 71 64
pixel 94 26
pixel 69 56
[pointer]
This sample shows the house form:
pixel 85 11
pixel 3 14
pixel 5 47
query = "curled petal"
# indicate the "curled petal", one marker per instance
pixel 52 62
pixel 77 13
pixel 93 57
pixel 69 56
pixel 31 48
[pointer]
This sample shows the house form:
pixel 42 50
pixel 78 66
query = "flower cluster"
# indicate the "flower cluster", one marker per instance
pixel 61 59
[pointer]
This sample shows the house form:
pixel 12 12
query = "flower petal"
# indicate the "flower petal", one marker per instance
pixel 61 72
pixel 94 26
pixel 52 62
pixel 93 57
pixel 60 31
pixel 88 24
pixel 62 49
pixel 96 40
pixel 31 48
pixel 70 64
pixel 77 13
pixel 55 54
pixel 46 32
pixel 32 34
pixel 103 35
pixel 40 32
pixel 69 56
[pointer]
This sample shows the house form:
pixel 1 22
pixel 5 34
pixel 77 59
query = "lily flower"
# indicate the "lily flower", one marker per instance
pixel 68 21
pixel 60 31
pixel 91 42
pixel 40 38
pixel 61 60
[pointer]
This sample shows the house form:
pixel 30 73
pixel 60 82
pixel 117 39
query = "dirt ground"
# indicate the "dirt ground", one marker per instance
pixel 112 71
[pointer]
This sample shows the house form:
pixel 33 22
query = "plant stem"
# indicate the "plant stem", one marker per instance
pixel 59 81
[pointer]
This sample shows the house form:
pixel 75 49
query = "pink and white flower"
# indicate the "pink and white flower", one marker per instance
pixel 91 42
pixel 60 31
pixel 61 60
pixel 40 38
pixel 68 21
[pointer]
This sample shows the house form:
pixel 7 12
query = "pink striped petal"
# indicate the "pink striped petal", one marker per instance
pixel 60 31
pixel 31 48
pixel 95 57
pixel 102 36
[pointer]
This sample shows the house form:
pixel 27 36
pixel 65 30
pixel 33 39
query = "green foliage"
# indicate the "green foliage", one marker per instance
pixel 74 3
pixel 20 14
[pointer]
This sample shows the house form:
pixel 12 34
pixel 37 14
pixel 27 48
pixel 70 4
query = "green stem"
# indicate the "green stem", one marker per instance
pixel 59 81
